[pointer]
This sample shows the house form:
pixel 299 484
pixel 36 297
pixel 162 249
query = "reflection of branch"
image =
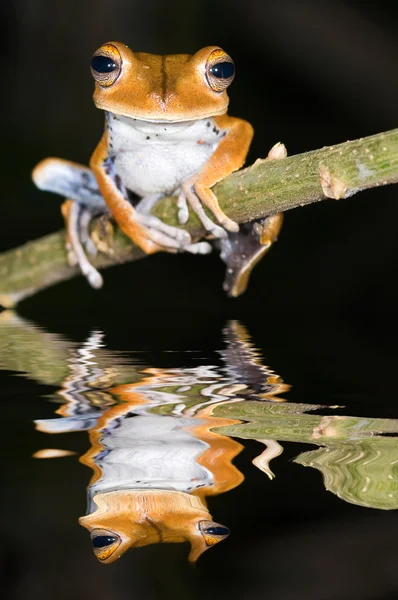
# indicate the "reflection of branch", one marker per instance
pixel 361 471
pixel 50 358
pixel 265 188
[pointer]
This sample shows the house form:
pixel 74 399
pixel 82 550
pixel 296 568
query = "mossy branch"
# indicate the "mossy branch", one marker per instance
pixel 265 188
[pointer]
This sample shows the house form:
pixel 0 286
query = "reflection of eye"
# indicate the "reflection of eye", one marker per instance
pixel 104 543
pixel 220 70
pixel 106 65
pixel 217 530
pixel 213 532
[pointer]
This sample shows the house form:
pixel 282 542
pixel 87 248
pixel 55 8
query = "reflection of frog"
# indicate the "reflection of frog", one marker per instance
pixel 154 450
pixel 167 132
pixel 152 474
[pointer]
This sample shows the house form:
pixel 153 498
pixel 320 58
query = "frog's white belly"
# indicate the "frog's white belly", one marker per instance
pixel 156 158
pixel 151 452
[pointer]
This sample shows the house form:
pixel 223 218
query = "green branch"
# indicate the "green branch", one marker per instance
pixel 265 188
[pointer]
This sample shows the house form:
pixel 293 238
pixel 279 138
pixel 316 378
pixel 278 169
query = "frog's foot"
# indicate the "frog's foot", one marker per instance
pixel 198 248
pixel 170 239
pixel 166 235
pixel 195 194
pixel 163 234
pixel 77 220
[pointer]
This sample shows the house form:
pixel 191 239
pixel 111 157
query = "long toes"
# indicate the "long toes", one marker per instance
pixel 183 211
pixel 94 278
pixel 91 248
pixel 183 215
pixel 183 237
pixel 161 239
pixel 199 248
pixel 71 256
pixel 230 225
pixel 180 235
pixel 158 227
pixel 218 232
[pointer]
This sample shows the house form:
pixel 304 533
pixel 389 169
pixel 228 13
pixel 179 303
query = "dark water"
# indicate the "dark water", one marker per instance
pixel 185 436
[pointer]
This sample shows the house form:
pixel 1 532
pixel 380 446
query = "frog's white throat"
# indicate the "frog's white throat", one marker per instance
pixel 156 158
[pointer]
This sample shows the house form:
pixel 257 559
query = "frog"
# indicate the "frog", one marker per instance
pixel 167 133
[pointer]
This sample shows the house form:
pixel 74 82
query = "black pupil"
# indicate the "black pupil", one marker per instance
pixel 103 540
pixel 223 70
pixel 103 64
pixel 217 530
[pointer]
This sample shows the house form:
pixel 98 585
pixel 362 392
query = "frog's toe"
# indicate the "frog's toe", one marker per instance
pixel 90 247
pixel 198 248
pixel 71 255
pixel 217 231
pixel 77 235
pixel 183 212
pixel 94 278
pixel 230 225
pixel 181 236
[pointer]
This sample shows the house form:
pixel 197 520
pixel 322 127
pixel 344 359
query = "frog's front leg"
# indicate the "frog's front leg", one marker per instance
pixel 229 156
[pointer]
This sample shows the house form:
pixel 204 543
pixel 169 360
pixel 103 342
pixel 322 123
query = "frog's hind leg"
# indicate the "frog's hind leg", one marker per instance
pixel 78 184
pixel 77 219
pixel 70 180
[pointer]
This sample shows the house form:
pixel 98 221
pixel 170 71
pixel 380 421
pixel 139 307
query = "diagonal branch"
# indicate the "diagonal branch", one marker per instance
pixel 264 188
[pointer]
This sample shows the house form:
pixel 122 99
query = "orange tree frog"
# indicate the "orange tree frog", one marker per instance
pixel 166 132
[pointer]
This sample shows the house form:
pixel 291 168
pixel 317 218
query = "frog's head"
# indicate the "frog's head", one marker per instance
pixel 132 518
pixel 173 88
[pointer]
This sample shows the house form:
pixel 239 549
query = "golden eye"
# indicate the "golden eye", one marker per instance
pixel 104 543
pixel 220 70
pixel 213 532
pixel 106 65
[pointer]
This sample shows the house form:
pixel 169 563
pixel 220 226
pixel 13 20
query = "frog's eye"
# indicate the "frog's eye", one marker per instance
pixel 104 543
pixel 106 65
pixel 220 70
pixel 213 532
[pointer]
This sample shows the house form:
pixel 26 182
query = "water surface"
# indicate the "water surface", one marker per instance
pixel 152 460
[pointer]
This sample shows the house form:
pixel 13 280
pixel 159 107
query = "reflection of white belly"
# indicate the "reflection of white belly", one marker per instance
pixel 155 158
pixel 152 452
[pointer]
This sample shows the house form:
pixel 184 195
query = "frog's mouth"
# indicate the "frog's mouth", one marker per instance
pixel 172 117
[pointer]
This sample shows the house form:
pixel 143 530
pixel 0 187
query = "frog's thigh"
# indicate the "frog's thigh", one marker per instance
pixel 70 180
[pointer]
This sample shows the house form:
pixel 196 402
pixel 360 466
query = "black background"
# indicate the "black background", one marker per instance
pixel 321 305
